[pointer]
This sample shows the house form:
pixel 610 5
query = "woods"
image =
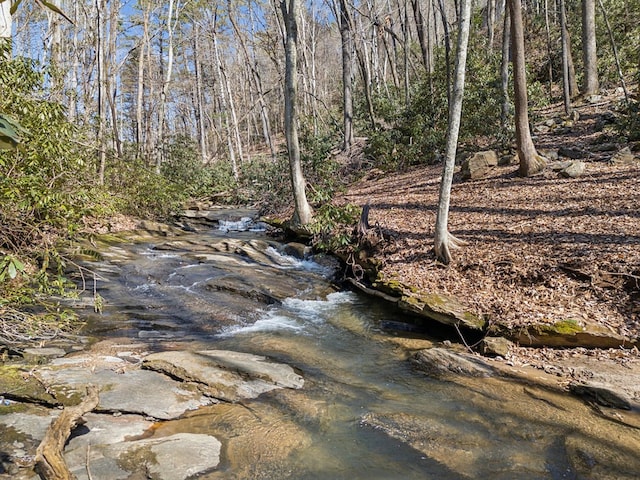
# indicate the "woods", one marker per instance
pixel 154 102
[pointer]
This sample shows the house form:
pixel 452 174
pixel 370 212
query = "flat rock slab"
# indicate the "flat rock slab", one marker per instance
pixel 226 375
pixel 175 457
pixel 121 390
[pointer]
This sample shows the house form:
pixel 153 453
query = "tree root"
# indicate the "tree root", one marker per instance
pixel 443 248
pixel 50 463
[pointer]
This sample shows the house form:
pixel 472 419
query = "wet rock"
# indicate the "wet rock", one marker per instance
pixel 624 157
pixel 602 393
pixel 123 387
pixel 226 375
pixel 495 346
pixel 297 250
pixel 175 457
pixel 479 164
pixel 590 458
pixel 42 355
pixel 441 362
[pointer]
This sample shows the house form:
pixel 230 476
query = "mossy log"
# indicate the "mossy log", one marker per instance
pixel 50 463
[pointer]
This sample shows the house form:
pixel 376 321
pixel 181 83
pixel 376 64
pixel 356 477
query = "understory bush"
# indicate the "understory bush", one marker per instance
pixel 415 133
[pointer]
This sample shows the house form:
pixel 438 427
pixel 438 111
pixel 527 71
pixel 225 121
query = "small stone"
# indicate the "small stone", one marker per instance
pixel 576 169
pixel 495 346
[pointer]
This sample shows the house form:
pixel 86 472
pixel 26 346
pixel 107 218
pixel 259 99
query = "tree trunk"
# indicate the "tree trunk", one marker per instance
pixel 201 124
pixel 615 51
pixel 6 21
pixel 491 15
pixel 447 47
pixel 530 162
pixel 504 70
pixel 165 89
pixel 589 55
pixel 144 45
pixel 444 241
pixel 302 213
pixel 422 33
pixel 102 81
pixel 566 88
pixel 347 75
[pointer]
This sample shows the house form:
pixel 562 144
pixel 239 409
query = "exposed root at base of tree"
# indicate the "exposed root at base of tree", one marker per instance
pixel 443 247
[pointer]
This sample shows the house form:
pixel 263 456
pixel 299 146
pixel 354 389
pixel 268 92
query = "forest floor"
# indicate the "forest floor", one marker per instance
pixel 538 250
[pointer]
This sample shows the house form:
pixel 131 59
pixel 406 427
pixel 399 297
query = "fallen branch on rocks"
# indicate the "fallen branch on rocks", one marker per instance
pixel 371 291
pixel 50 463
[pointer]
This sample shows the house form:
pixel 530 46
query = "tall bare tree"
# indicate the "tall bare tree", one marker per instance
pixel 530 162
pixel 302 213
pixel 591 84
pixel 346 36
pixel 443 240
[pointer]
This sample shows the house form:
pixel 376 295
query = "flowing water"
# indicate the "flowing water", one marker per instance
pixel 364 411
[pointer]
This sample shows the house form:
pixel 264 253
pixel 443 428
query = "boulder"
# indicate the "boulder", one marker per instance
pixel 440 362
pixel 479 164
pixel 567 333
pixel 574 170
pixel 624 157
pixel 441 308
pixel 573 153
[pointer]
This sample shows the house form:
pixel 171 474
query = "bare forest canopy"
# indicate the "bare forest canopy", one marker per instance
pixel 150 74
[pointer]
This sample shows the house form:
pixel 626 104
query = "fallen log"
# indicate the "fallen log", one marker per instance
pixel 50 463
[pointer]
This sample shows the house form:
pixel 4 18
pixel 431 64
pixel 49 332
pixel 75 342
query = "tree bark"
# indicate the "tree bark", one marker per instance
pixel 444 241
pixel 566 88
pixel 591 84
pixel 346 37
pixel 302 212
pixel 504 69
pixel 6 21
pixel 530 162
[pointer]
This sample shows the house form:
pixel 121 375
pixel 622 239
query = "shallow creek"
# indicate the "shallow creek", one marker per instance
pixel 364 412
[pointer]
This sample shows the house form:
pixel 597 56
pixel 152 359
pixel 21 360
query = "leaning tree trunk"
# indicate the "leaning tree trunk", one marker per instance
pixel 530 162
pixel 444 241
pixel 302 213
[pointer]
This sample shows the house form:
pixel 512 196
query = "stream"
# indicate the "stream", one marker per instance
pixel 364 411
